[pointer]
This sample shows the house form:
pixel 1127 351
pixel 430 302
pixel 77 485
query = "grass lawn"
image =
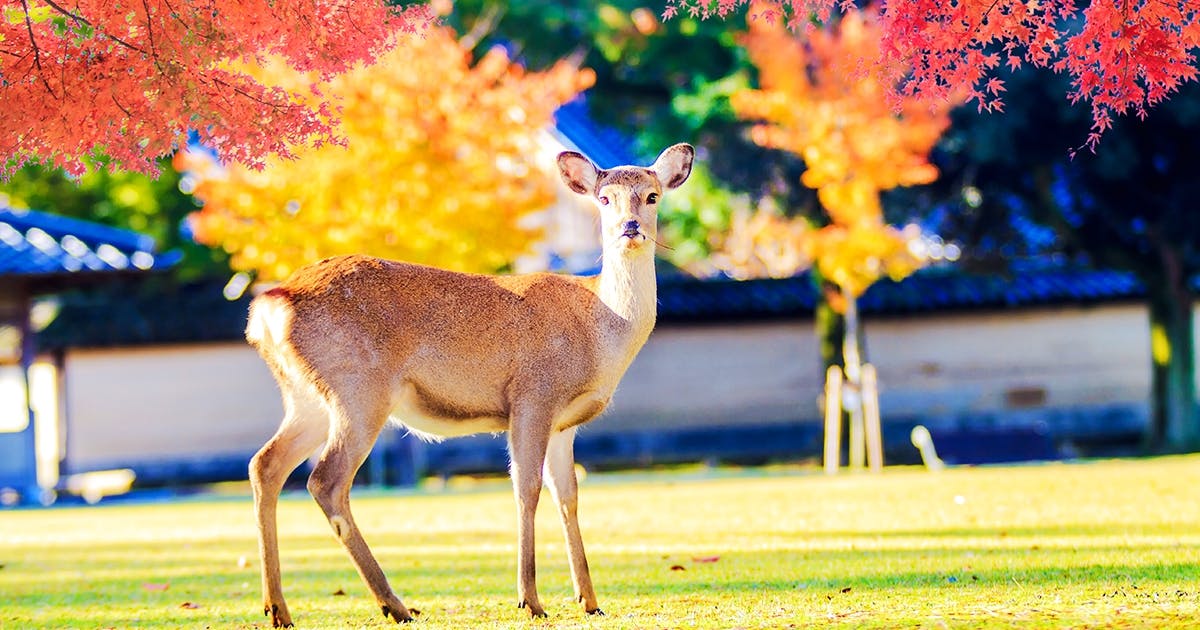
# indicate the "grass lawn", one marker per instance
pixel 1094 545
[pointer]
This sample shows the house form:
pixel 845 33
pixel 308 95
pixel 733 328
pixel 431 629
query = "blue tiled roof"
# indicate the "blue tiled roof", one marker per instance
pixel 605 146
pixel 40 244
pixel 930 290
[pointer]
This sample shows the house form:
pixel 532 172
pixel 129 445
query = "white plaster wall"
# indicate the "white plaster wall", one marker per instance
pixel 1080 356
pixel 204 399
pixel 929 365
pixel 167 401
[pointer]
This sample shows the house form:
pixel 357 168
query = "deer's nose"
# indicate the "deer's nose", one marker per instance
pixel 631 226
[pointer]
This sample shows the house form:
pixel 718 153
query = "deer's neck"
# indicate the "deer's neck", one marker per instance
pixel 627 287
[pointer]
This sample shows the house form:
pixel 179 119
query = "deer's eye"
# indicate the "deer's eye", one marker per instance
pixel 604 201
pixel 652 198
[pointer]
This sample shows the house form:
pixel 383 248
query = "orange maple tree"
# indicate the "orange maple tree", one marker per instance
pixel 819 101
pixel 441 165
pixel 1123 56
pixel 130 78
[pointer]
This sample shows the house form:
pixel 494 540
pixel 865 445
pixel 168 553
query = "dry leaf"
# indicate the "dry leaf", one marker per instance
pixel 846 590
pixel 706 559
pixel 677 567
pixel 152 586
pixel 189 605
pixel 339 593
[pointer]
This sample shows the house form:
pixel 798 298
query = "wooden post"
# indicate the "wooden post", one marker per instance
pixel 870 404
pixel 857 446
pixel 833 419
pixel 852 388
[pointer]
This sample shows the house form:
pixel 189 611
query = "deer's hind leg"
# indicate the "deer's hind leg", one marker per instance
pixel 305 425
pixel 354 427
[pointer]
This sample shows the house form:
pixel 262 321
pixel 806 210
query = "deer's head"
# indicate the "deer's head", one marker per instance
pixel 627 196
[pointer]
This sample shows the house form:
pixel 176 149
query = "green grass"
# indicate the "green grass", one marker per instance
pixel 1098 545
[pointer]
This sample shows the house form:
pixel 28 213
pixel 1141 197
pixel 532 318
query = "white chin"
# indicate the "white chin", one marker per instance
pixel 632 242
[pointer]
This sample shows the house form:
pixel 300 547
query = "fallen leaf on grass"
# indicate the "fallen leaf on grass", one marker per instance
pixel 678 567
pixel 846 590
pixel 189 605
pixel 339 593
pixel 704 559
pixel 153 586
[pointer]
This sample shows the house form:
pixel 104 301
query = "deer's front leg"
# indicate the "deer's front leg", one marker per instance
pixel 528 435
pixel 560 470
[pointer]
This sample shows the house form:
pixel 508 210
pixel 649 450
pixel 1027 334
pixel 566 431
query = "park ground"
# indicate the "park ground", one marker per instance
pixel 1106 544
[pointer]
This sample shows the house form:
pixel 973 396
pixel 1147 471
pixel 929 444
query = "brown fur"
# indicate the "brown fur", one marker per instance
pixel 354 339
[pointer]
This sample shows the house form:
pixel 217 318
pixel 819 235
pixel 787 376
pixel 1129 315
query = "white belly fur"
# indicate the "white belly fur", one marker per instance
pixel 408 412
pixel 429 429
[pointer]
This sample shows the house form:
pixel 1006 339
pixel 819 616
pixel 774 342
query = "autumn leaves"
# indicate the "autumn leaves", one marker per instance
pixel 821 99
pixel 440 165
pixel 129 80
pixel 440 160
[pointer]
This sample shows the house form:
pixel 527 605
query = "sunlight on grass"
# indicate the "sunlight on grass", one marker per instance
pixel 1106 544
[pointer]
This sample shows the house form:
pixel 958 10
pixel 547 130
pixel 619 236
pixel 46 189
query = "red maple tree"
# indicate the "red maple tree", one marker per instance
pixel 130 78
pixel 1123 56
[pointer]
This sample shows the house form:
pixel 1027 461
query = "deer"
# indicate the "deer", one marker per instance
pixel 355 341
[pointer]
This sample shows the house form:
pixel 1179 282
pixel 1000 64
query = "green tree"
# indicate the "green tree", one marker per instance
pixel 661 82
pixel 154 206
pixel 1130 206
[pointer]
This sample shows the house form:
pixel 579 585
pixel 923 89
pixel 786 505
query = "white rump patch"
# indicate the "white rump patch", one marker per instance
pixel 269 321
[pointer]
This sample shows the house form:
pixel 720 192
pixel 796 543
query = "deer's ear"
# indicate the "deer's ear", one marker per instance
pixel 674 165
pixel 578 172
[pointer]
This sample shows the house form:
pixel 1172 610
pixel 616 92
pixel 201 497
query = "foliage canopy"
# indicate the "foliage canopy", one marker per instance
pixel 1121 57
pixel 815 102
pixel 130 79
pixel 440 166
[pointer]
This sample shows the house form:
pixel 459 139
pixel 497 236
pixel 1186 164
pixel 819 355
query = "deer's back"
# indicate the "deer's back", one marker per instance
pixel 461 342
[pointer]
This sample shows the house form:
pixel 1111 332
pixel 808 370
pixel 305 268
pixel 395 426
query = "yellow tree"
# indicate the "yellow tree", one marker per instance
pixel 825 98
pixel 438 165
pixel 822 98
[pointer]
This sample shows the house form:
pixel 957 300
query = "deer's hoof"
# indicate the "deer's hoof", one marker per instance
pixel 535 610
pixel 596 611
pixel 279 615
pixel 399 614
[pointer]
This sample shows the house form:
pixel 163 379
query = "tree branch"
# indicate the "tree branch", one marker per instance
pixel 175 14
pixel 79 19
pixel 483 26
pixel 74 16
pixel 37 53
pixel 121 107
pixel 150 31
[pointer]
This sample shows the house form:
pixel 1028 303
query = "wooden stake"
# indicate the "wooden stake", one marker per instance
pixel 833 419
pixel 870 398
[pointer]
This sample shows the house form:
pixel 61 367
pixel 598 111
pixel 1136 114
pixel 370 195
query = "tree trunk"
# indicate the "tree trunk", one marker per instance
pixel 831 326
pixel 831 334
pixel 1173 417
